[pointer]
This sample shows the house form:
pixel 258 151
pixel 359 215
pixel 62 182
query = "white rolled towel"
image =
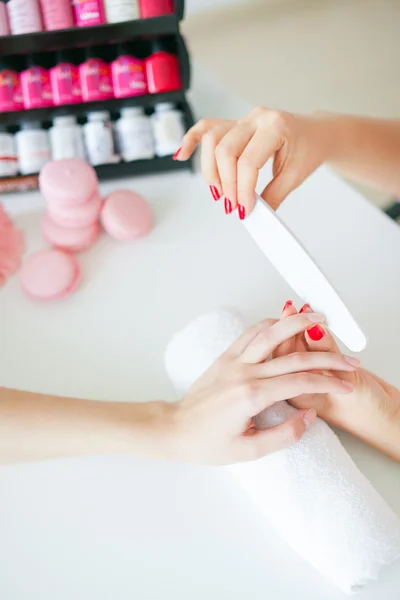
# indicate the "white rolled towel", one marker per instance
pixel 312 493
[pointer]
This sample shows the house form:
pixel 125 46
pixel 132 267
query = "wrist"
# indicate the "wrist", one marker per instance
pixel 333 132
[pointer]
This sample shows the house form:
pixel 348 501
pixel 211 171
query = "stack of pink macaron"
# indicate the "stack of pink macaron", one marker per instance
pixel 12 247
pixel 70 188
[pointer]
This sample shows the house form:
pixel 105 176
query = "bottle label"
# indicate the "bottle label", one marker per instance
pixel 99 143
pixel 88 13
pixel 36 88
pixel 95 80
pixel 65 84
pixel 66 142
pixel 10 91
pixel 135 138
pixel 128 76
pixel 121 10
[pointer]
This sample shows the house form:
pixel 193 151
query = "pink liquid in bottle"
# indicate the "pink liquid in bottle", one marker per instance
pixel 65 81
pixel 95 77
pixel 128 74
pixel 10 90
pixel 56 14
pixel 4 24
pixel 36 86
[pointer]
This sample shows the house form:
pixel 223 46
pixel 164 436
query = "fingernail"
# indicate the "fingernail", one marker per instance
pixel 215 193
pixel 305 308
pixel 309 418
pixel 288 304
pixel 241 212
pixel 228 206
pixel 315 317
pixel 175 156
pixel 354 362
pixel 348 385
pixel 315 333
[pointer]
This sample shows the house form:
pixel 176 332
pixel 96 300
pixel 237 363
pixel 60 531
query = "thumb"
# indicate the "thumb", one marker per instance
pixel 318 337
pixel 262 442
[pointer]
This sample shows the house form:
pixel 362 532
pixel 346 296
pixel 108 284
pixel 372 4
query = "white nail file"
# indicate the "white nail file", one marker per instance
pixel 299 270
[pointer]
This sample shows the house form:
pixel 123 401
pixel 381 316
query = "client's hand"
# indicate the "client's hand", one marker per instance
pixel 371 412
pixel 214 423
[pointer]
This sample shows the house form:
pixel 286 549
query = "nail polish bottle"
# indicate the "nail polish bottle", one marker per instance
pixel 10 89
pixel 118 11
pixel 64 77
pixel 168 128
pixel 88 13
pixel 156 8
pixel 162 69
pixel 8 154
pixel 95 77
pixel 24 16
pixel 128 74
pixel 56 14
pixel 4 24
pixel 33 148
pixel 35 83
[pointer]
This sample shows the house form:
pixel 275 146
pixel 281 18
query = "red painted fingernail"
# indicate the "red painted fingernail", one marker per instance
pixel 175 156
pixel 304 308
pixel 228 206
pixel 241 212
pixel 215 193
pixel 315 333
pixel 288 304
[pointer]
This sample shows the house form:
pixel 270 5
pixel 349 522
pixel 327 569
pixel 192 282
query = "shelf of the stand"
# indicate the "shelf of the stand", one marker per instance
pixel 44 41
pixel 80 110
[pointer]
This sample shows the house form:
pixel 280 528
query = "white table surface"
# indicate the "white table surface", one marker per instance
pixel 118 528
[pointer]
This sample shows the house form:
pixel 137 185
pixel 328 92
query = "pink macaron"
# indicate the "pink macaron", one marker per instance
pixel 68 182
pixel 50 275
pixel 76 217
pixel 74 240
pixel 126 215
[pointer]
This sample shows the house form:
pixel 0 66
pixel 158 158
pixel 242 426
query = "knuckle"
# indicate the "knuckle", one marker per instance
pixel 304 379
pixel 211 138
pixel 260 111
pixel 277 119
pixel 249 388
pixel 224 149
pixel 245 160
pixel 294 432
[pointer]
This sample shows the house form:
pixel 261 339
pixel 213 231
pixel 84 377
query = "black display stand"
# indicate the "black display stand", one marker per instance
pixel 141 31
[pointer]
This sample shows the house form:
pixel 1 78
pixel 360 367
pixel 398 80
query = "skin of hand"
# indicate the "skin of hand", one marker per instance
pixel 371 412
pixel 212 424
pixel 233 152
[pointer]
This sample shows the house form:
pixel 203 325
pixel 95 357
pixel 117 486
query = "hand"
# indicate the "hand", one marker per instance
pixel 214 424
pixel 371 412
pixel 233 152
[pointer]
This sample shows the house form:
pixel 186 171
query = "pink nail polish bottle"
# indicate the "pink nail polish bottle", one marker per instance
pixel 10 89
pixel 35 83
pixel 95 77
pixel 4 24
pixel 128 74
pixel 156 8
pixel 88 13
pixel 24 16
pixel 56 14
pixel 162 69
pixel 64 77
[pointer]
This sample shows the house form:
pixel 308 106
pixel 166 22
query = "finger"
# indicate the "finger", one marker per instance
pixel 289 345
pixel 285 180
pixel 227 154
pixel 318 337
pixel 194 136
pixel 260 148
pixel 258 394
pixel 304 361
pixel 259 443
pixel 250 334
pixel 208 160
pixel 267 340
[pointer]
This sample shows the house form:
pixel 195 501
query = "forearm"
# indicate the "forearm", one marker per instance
pixel 365 150
pixel 36 427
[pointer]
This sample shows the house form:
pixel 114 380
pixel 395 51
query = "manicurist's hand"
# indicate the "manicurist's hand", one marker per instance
pixel 213 424
pixel 233 152
pixel 371 412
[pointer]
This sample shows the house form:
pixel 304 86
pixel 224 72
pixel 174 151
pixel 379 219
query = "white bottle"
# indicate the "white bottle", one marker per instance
pixel 168 128
pixel 134 135
pixel 8 155
pixel 33 148
pixel 24 16
pixel 66 138
pixel 98 139
pixel 121 10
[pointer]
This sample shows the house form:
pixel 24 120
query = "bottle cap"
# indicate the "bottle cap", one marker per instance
pixel 132 111
pixel 164 106
pixel 64 120
pixel 31 125
pixel 98 115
